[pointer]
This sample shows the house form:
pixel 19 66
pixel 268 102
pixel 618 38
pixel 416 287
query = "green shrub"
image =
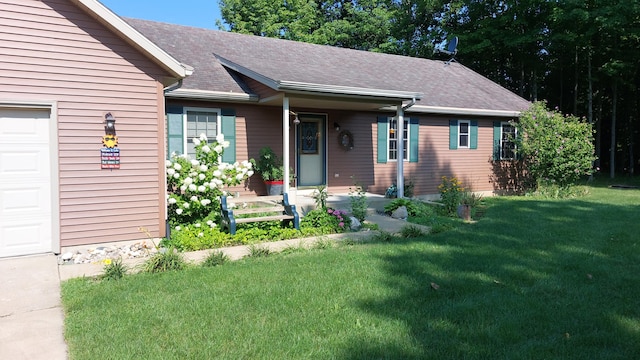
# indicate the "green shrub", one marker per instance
pixel 408 188
pixel 471 198
pixel 329 220
pixel 114 269
pixel 293 249
pixel 198 236
pixel 554 191
pixel 320 196
pixel 412 208
pixel 440 227
pixel 216 258
pixel 556 149
pixel 323 244
pixel 167 260
pixel 358 199
pixel 259 251
pixel 411 231
pixel 383 236
pixel 422 209
pixel 450 194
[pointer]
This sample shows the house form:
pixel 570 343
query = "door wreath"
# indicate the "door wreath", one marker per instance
pixel 345 139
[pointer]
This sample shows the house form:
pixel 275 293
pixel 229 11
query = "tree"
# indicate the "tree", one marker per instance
pixel 363 25
pixel 556 149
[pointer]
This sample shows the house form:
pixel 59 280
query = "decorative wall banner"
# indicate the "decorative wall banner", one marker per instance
pixel 110 158
pixel 109 154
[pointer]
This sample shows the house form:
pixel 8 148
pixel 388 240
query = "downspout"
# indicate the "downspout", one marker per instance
pixel 400 164
pixel 167 230
pixel 410 104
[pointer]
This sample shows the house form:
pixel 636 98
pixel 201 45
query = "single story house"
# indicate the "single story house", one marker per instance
pixel 349 105
pixel 71 69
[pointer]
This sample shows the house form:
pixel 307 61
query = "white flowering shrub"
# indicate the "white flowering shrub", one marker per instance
pixel 194 186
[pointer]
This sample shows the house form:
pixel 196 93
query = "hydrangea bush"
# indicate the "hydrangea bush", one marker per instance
pixel 194 186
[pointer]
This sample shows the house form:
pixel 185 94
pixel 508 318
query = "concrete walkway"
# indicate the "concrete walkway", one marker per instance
pixel 31 316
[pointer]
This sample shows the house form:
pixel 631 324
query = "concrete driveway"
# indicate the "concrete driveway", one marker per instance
pixel 31 317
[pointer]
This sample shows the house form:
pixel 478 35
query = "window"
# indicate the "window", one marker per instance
pixel 507 141
pixel 184 123
pixel 463 134
pixel 201 122
pixel 394 136
pixel 504 135
pixel 388 136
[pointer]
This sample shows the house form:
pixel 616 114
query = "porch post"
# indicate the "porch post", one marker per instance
pixel 400 137
pixel 285 142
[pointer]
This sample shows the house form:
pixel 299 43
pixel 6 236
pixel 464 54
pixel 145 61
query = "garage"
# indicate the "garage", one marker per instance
pixel 27 188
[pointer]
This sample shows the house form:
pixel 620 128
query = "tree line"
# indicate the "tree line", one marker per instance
pixel 580 56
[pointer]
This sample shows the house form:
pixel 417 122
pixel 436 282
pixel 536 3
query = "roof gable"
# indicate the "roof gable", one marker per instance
pixel 121 28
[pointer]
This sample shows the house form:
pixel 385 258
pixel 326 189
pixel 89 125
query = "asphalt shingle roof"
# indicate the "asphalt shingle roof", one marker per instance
pixel 442 85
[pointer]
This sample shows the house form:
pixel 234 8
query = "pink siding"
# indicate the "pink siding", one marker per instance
pixel 258 126
pixel 51 50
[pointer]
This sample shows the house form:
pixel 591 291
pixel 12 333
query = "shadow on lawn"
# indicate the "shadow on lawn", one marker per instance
pixel 533 279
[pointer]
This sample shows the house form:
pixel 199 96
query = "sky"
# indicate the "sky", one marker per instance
pixel 198 13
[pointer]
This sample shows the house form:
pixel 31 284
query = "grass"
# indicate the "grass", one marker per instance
pixel 532 279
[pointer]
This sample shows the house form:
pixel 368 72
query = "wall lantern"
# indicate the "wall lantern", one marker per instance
pixel 109 125
pixel 109 140
pixel 336 126
pixel 296 120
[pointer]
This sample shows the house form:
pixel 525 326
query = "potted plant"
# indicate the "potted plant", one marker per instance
pixel 269 166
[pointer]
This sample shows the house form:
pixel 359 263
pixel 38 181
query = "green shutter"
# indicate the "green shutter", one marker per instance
pixel 473 134
pixel 383 130
pixel 496 140
pixel 453 134
pixel 228 129
pixel 414 126
pixel 175 131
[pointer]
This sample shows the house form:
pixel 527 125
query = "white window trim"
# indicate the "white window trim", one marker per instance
pixel 515 133
pixel 185 110
pixel 406 149
pixel 468 133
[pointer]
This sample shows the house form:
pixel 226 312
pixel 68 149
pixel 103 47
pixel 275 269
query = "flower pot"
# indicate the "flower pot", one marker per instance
pixel 274 187
pixel 464 212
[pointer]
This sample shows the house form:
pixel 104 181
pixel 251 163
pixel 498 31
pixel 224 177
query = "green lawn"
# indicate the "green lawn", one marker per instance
pixel 532 279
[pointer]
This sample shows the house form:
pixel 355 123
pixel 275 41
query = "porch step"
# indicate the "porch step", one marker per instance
pixel 305 202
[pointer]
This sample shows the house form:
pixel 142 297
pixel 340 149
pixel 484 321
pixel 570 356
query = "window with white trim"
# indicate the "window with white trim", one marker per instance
pixel 507 141
pixel 201 121
pixel 463 134
pixel 185 123
pixel 394 136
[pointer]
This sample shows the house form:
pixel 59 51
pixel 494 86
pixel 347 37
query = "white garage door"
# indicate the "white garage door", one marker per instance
pixel 25 182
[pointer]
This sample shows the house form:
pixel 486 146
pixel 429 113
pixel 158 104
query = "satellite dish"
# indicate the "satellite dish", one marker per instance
pixel 452 49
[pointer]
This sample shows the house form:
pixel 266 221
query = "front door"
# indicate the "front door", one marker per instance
pixel 311 150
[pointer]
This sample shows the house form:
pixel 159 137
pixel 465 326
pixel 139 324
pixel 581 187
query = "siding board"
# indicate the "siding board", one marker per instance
pixel 51 50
